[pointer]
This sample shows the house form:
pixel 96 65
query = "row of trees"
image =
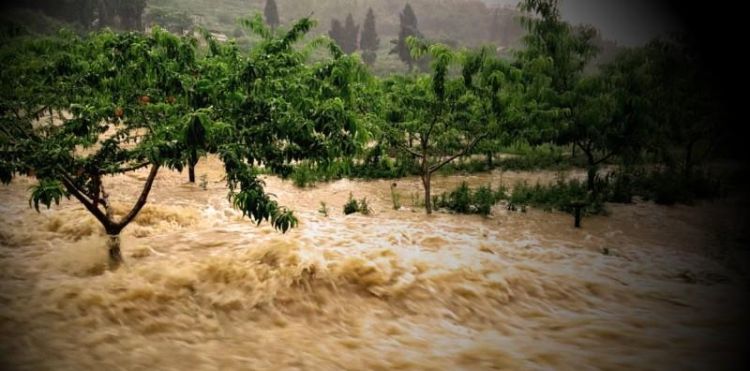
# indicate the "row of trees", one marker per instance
pixel 350 39
pixel 108 103
pixel 112 103
pixel 92 14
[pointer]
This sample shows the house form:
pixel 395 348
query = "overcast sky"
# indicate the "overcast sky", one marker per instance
pixel 629 22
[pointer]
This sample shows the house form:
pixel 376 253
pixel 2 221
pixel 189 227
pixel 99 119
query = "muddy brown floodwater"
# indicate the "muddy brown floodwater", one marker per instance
pixel 204 289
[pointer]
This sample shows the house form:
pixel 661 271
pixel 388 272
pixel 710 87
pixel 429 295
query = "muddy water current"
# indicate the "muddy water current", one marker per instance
pixel 204 289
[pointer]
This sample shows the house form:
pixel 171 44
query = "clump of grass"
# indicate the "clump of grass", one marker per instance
pixel 395 197
pixel 323 209
pixel 463 200
pixel 357 206
pixel 204 182
pixel 560 195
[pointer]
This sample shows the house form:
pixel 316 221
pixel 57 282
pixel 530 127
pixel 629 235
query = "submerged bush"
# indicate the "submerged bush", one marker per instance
pixel 463 200
pixel 557 196
pixel 354 206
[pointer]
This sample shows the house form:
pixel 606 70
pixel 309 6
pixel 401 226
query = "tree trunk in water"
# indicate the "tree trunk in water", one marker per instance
pixel 191 173
pixel 427 196
pixel 591 177
pixel 592 169
pixel 489 160
pixel 115 255
pixel 191 166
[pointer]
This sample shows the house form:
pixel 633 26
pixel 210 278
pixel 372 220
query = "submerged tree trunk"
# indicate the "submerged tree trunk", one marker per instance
pixel 106 217
pixel 427 195
pixel 591 176
pixel 115 254
pixel 592 170
pixel 191 165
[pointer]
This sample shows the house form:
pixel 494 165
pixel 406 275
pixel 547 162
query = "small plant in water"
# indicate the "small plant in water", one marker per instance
pixel 364 207
pixel 323 209
pixel 204 182
pixel 395 197
pixel 351 206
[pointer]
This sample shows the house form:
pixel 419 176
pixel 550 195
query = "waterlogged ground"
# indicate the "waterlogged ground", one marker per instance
pixel 204 289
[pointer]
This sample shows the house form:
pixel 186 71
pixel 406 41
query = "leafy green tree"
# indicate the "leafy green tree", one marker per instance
pixel 612 116
pixel 89 108
pixel 446 116
pixel 683 103
pixel 271 13
pixel 553 59
pixel 369 41
pixel 106 111
pixel 408 28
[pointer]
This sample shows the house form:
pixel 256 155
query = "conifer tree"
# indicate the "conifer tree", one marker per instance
pixel 271 14
pixel 369 41
pixel 408 28
pixel 337 32
pixel 351 35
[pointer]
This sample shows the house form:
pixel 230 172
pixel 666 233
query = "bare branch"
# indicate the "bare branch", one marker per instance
pixel 141 199
pixel 126 169
pixel 410 150
pixel 466 149
pixel 78 194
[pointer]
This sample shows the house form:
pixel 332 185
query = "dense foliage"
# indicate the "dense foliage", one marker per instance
pixel 77 109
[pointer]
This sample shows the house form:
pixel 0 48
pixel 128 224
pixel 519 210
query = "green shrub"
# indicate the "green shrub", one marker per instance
pixel 557 196
pixel 351 206
pixel 395 197
pixel 303 176
pixel 484 199
pixel 463 201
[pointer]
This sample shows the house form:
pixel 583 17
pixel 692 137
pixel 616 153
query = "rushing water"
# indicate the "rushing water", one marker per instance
pixel 204 289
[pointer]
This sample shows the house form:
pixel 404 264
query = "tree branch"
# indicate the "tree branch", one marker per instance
pixel 141 199
pixel 466 149
pixel 78 194
pixel 410 150
pixel 126 169
pixel 605 158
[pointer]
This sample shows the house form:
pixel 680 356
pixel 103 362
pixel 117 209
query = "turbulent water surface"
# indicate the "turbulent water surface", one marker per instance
pixel 205 289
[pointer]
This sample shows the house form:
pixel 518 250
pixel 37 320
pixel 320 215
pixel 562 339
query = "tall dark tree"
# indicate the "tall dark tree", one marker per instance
pixel 337 32
pixel 351 35
pixel 496 28
pixel 408 28
pixel 369 41
pixel 271 13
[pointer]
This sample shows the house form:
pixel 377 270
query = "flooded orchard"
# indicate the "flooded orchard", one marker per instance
pixel 205 289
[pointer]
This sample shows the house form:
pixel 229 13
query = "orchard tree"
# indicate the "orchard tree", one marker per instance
pixel 92 108
pixel 281 110
pixel 445 115
pixel 613 114
pixel 369 41
pixel 501 90
pixel 553 58
pixel 86 109
pixel 683 103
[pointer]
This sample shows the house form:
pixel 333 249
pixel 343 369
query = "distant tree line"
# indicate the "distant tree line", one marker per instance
pixel 90 14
